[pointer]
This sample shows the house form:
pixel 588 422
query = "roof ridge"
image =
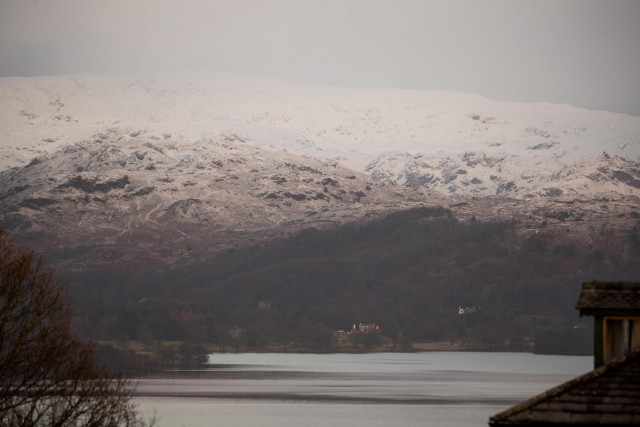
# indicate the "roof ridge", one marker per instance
pixel 560 389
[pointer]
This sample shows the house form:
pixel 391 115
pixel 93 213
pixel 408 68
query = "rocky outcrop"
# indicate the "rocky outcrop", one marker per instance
pixel 206 196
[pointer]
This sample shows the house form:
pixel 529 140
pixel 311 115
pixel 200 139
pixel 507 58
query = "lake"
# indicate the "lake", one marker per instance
pixel 355 390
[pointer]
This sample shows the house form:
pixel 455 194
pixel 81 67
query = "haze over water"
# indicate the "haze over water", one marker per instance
pixel 377 389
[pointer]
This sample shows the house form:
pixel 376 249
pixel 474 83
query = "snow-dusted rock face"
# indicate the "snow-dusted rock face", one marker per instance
pixel 451 142
pixel 125 195
pixel 479 174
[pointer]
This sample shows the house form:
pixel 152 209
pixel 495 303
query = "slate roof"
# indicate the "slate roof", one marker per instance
pixel 609 395
pixel 598 298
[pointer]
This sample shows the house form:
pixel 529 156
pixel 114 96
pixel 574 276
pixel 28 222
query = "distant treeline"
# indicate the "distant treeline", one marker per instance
pixel 409 273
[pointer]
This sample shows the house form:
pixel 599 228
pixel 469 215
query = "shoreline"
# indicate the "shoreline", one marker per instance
pixel 131 358
pixel 137 346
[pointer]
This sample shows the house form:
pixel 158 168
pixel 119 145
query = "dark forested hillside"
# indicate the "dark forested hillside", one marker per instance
pixel 410 273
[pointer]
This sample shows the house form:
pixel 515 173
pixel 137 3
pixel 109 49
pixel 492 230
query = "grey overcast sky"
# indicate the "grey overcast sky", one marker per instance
pixel 581 52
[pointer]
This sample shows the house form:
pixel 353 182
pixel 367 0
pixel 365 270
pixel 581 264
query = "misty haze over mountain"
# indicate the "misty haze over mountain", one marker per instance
pixel 579 52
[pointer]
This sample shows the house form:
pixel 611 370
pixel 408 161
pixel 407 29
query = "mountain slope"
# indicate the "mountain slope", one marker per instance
pixel 408 272
pixel 131 198
pixel 422 138
pixel 168 168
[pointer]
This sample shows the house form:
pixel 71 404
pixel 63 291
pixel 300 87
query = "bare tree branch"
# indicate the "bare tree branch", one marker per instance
pixel 48 376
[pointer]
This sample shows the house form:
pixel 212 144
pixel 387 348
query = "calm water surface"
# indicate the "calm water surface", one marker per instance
pixel 355 390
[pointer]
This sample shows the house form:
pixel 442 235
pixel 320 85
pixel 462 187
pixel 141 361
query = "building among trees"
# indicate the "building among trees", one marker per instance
pixel 361 328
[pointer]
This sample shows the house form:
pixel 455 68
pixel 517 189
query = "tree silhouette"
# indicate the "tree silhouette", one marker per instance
pixel 47 375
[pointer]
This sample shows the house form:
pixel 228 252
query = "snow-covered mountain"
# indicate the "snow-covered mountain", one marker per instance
pixel 451 142
pixel 168 169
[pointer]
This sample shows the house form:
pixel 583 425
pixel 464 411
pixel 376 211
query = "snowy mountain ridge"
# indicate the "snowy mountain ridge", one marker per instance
pixel 167 170
pixel 451 142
